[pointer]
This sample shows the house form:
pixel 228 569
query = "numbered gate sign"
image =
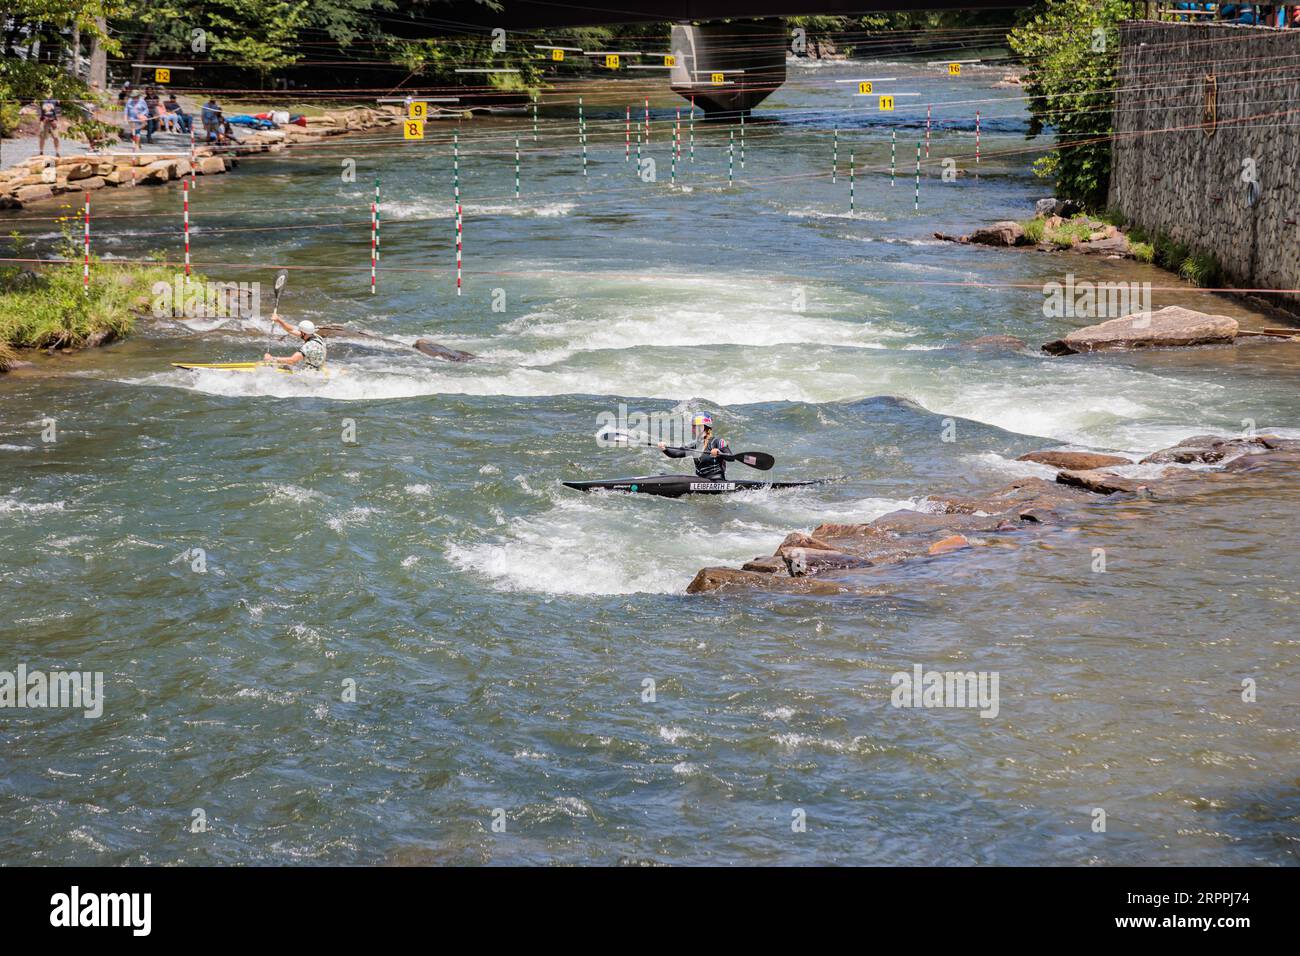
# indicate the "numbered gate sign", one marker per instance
pixel 864 88
pixel 413 129
pixel 670 60
pixel 611 61
pixel 162 75
pixel 718 79
pixel 954 69
pixel 557 55
pixel 886 104
pixel 418 109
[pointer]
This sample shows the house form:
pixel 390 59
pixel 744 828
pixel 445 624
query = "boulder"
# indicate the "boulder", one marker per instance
pixel 86 185
pixel 1005 233
pixel 994 343
pixel 1102 482
pixel 160 172
pixel 1167 327
pixel 1207 450
pixel 1075 460
pixel 211 165
pixel 75 171
pixel 801 562
pixel 731 579
pixel 767 564
pixel 102 337
pixel 26 194
pixel 434 350
pixel 797 539
pixel 1044 208
pixel 954 542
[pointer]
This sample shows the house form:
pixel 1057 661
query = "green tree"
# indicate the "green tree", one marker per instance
pixel 1071 50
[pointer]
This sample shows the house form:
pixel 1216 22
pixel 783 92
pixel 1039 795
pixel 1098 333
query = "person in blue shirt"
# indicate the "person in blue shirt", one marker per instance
pixel 211 117
pixel 137 114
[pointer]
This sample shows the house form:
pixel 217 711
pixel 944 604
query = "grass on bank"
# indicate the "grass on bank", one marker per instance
pixel 47 307
pixel 1199 268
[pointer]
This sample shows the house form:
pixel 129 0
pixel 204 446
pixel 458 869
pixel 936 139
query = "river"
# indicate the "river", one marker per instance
pixel 499 629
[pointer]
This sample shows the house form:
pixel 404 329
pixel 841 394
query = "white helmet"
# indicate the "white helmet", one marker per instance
pixel 307 327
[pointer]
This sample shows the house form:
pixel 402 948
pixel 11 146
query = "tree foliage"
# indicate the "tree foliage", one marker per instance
pixel 1071 51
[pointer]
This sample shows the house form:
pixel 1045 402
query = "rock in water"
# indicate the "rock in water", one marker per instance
pixel 1208 449
pixel 434 350
pixel 1102 482
pixel 1005 233
pixel 1074 460
pixel 1168 327
pixel 994 343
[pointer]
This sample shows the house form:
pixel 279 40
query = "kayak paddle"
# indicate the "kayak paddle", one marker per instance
pixel 760 460
pixel 281 278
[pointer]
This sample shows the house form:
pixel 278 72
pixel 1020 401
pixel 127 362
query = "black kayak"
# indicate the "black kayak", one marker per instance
pixel 674 486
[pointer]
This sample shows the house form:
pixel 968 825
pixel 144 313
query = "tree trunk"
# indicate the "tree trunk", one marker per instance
pixel 141 51
pixel 99 58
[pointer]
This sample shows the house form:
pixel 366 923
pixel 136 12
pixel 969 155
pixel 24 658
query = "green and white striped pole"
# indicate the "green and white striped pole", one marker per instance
pixel 692 130
pixel 534 117
pixel 742 140
pixel 516 167
pixel 731 156
pixel 893 154
pixel 835 156
pixel 582 136
pixel 851 183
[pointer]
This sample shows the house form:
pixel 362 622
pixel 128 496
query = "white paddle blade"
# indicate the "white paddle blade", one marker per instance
pixel 615 438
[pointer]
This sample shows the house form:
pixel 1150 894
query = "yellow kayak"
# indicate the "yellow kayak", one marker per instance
pixel 254 366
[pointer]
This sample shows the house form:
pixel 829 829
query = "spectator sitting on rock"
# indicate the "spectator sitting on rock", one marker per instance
pixel 180 117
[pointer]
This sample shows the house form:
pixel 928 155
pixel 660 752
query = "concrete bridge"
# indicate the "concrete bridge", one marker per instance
pixel 723 68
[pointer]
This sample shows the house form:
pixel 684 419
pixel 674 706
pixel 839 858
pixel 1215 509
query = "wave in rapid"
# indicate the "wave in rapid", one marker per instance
pixel 601 544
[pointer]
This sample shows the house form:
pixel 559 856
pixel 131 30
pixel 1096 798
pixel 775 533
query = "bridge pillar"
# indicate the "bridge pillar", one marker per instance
pixel 748 57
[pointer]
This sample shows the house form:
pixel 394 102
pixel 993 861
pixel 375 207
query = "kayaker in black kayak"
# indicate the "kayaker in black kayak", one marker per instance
pixel 707 463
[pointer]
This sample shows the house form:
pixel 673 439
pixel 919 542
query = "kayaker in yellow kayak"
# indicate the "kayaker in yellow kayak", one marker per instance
pixel 310 354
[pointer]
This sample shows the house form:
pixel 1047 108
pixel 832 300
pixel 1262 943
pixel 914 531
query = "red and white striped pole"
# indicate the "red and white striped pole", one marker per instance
pixel 627 136
pixel 647 121
pixel 185 193
pixel 458 247
pixel 927 132
pixel 194 159
pixel 374 238
pixel 977 142
pixel 85 269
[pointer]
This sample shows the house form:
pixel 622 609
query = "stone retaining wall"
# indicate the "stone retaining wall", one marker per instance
pixel 1202 109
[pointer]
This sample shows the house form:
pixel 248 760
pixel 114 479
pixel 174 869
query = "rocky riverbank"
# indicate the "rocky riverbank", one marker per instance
pixel 845 558
pixel 42 178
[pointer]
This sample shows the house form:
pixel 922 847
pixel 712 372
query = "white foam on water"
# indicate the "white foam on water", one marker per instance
pixel 547 339
pixel 424 209
pixel 613 543
pixel 13 504
pixel 862 215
